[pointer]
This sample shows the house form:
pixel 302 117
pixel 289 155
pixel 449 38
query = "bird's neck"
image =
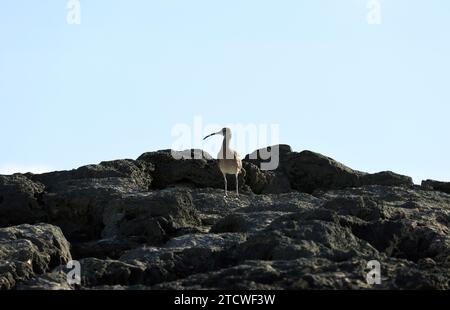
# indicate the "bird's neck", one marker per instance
pixel 225 146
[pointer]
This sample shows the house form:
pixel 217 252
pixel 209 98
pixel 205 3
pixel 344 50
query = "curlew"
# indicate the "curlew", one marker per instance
pixel 229 160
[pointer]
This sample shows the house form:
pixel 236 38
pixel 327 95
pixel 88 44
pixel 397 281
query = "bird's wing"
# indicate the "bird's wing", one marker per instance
pixel 238 159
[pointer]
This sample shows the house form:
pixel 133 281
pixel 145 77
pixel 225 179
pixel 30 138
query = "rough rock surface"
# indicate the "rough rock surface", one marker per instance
pixel 163 223
pixel 29 250
pixel 20 200
pixel 308 171
pixel 437 186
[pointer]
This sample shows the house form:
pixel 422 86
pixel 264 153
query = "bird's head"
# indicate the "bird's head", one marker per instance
pixel 226 132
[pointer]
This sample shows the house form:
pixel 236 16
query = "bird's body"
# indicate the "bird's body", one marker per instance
pixel 229 160
pixel 230 166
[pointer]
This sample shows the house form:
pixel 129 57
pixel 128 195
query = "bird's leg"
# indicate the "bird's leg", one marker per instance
pixel 225 179
pixel 237 184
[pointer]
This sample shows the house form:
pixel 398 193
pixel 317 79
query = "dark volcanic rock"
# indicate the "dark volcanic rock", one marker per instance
pixel 361 207
pixel 401 222
pixel 153 217
pixel 93 272
pixel 305 234
pixel 183 256
pixel 193 167
pixel 73 200
pixel 386 178
pixel 103 248
pixel 125 175
pixel 78 209
pixel 245 222
pixel 437 186
pixel 314 273
pixel 88 214
pixel 163 222
pixel 411 240
pixel 20 200
pixel 308 171
pixel 27 250
pixel 109 272
pixel 87 209
pixel 265 182
pixel 255 178
pixel 292 274
pixel 283 151
pixel 55 280
pixel 211 240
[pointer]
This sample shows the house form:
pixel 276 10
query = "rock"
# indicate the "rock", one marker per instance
pixel 182 256
pixel 407 239
pixel 208 200
pixel 193 167
pixel 20 200
pixel 54 281
pixel 29 250
pixel 395 203
pixel 298 274
pixel 264 156
pixel 96 272
pixel 221 240
pixel 265 182
pixel 152 217
pixel 137 287
pixel 401 222
pixel 308 171
pixel 358 206
pixel 304 234
pixel 285 203
pixel 279 241
pixel 73 200
pixel 386 178
pixel 161 222
pixel 124 175
pixel 245 222
pixel 111 248
pixel 255 178
pixel 211 204
pixel 76 200
pixel 277 183
pixel 437 186
pixel 93 273
pixel 168 264
pixel 92 209
pixel 78 209
pixel 312 273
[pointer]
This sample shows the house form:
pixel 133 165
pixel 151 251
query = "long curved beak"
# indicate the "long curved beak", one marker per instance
pixel 216 133
pixel 209 135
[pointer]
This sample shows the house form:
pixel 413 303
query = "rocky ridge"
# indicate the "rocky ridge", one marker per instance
pixel 163 223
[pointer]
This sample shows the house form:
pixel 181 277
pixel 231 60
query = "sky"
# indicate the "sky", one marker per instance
pixel 375 97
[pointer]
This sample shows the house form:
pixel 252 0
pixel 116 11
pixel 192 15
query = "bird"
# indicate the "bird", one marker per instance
pixel 229 160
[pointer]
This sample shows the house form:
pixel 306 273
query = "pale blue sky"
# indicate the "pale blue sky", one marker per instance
pixel 373 97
